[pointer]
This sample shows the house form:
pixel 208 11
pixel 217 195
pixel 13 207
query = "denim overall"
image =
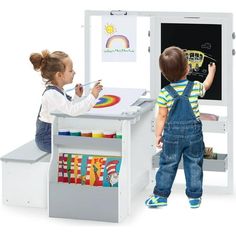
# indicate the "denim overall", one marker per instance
pixel 182 137
pixel 43 129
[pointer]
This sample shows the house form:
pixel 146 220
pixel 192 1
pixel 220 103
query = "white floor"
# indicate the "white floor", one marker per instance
pixel 216 216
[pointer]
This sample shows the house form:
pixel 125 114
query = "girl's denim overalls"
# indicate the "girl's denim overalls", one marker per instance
pixel 182 137
pixel 43 129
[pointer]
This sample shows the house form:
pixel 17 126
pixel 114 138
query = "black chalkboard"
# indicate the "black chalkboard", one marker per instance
pixel 202 43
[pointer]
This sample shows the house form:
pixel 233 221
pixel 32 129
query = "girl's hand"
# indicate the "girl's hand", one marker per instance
pixel 79 90
pixel 159 141
pixel 96 89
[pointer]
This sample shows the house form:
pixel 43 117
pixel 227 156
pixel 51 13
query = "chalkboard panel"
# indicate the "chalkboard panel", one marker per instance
pixel 202 43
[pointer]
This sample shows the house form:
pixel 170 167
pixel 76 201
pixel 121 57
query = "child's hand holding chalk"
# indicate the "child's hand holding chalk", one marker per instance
pixel 212 67
pixel 210 77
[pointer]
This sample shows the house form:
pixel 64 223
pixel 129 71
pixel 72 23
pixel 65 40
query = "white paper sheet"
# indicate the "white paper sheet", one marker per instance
pixel 119 38
pixel 127 97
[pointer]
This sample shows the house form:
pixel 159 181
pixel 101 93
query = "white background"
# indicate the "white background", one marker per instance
pixel 28 26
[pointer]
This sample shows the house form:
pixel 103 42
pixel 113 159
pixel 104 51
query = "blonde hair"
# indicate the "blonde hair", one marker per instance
pixel 173 63
pixel 48 63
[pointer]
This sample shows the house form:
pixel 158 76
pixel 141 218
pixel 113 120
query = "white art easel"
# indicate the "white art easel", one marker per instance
pixel 137 130
pixel 224 125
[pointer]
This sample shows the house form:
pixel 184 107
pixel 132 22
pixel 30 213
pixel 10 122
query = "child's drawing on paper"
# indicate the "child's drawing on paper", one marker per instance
pixel 118 42
pixel 119 38
pixel 116 101
pixel 107 101
pixel 110 29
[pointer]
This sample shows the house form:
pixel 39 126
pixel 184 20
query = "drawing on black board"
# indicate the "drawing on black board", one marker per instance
pixel 202 44
pixel 195 60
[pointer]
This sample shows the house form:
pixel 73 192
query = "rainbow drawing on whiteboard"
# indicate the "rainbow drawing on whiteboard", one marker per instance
pixel 118 40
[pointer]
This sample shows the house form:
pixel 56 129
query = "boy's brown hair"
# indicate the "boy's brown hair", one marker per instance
pixel 173 63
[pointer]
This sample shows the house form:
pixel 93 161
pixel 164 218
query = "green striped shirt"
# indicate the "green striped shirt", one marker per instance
pixel 165 100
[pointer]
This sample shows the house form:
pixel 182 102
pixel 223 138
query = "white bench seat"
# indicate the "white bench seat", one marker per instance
pixel 28 152
pixel 25 175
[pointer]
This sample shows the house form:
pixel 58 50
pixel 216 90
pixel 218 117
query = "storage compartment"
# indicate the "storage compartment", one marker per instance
pixel 79 179
pixel 25 184
pixel 25 176
pixel 84 202
pixel 218 126
pixel 96 178
pixel 220 164
pixel 87 187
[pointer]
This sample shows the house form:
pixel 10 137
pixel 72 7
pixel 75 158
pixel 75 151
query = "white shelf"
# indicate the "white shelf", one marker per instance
pixel 218 126
pixel 220 164
pixel 108 144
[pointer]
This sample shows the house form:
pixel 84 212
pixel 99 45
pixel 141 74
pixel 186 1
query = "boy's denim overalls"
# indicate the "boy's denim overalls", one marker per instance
pixel 43 129
pixel 182 137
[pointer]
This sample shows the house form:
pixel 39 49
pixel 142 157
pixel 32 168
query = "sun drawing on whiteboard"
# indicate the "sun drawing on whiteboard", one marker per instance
pixel 110 29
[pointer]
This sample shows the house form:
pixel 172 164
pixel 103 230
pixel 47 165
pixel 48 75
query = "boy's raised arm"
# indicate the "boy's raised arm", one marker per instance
pixel 210 77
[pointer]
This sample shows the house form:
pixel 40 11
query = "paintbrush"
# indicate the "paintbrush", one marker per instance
pixel 83 85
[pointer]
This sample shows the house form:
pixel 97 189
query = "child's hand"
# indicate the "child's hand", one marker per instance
pixel 159 141
pixel 96 89
pixel 212 68
pixel 79 90
pixel 210 77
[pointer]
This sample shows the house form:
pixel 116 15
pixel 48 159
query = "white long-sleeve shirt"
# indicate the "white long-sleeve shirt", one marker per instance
pixel 53 101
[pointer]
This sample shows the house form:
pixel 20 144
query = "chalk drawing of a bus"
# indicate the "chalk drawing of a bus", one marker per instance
pixel 196 58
